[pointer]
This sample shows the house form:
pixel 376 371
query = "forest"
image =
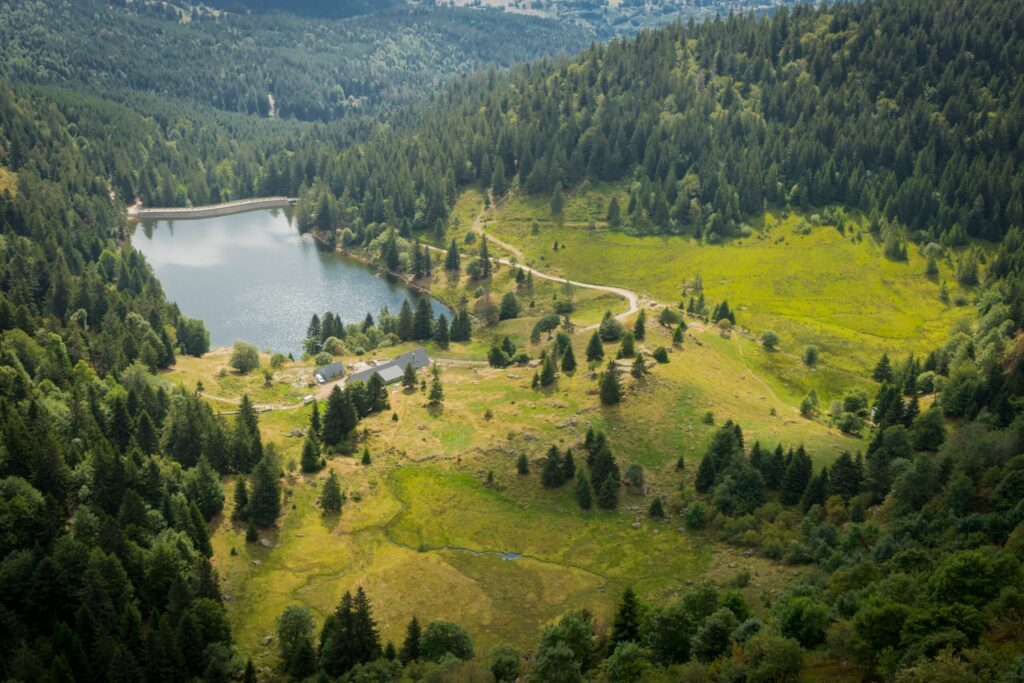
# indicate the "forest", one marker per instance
pixel 111 478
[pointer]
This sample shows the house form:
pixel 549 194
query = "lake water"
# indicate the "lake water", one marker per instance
pixel 251 276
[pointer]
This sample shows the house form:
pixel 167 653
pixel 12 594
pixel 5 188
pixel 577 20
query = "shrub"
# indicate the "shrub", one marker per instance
pixel 245 357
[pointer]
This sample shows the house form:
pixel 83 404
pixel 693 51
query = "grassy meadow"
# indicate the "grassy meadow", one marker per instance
pixel 422 524
pixel 833 290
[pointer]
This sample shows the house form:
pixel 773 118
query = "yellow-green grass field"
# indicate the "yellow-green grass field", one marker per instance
pixel 423 533
pixel 825 288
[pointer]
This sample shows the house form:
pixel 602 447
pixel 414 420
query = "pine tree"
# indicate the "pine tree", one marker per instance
pixel 265 501
pixel 846 477
pixel 423 321
pixel 817 489
pixel 883 370
pixel 608 495
pixel 640 325
pixel 595 350
pixel 310 460
pixel 405 328
pixel 453 259
pixel 568 465
pixel 657 510
pixel 639 368
pixel 364 633
pixel 677 336
pixel 376 394
pixel 557 200
pixel 627 349
pixel 583 493
pixel 568 360
pixel 706 474
pixel 611 392
pixel 411 645
pixel 340 418
pixel 247 448
pixel 614 216
pixel 485 259
pixel 442 336
pixel 552 476
pixel 241 508
pixel 523 464
pixel 626 626
pixel 366 455
pixel 331 497
pixel 315 428
pixel 436 395
pixel 409 377
pixel 547 371
pixel 796 477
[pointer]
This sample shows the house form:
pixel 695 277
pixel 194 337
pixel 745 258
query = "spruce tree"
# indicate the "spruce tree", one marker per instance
pixel 409 377
pixel 436 395
pixel 315 427
pixel 247 448
pixel 405 328
pixel 627 349
pixel 241 507
pixel 423 321
pixel 595 350
pixel 640 325
pixel 411 645
pixel 706 474
pixel 608 496
pixel 265 500
pixel 331 497
pixel 677 336
pixel 453 259
pixel 547 371
pixel 310 460
pixel 639 368
pixel 817 489
pixel 796 477
pixel 366 455
pixel 657 509
pixel 584 496
pixel 552 476
pixel 568 465
pixel 485 259
pixel 376 395
pixel 340 418
pixel 523 464
pixel 611 391
pixel 442 336
pixel 626 625
pixel 883 370
pixel 568 360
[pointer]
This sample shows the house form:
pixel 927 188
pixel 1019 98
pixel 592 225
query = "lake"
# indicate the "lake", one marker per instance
pixel 252 276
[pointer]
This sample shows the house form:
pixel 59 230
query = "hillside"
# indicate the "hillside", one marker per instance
pixel 732 388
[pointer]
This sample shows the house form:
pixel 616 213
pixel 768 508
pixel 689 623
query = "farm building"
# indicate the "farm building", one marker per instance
pixel 328 372
pixel 391 371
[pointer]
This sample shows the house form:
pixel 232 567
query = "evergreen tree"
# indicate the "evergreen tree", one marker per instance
pixel 883 370
pixel 485 259
pixel 409 377
pixel 411 645
pixel 817 490
pixel 584 495
pixel 331 497
pixel 553 476
pixel 366 455
pixel 611 392
pixel 453 259
pixel 423 322
pixel 310 460
pixel 706 474
pixel 265 500
pixel 241 507
pixel 247 448
pixel 509 307
pixel 608 494
pixel 436 395
pixel 846 476
pixel 406 328
pixel 627 349
pixel 523 464
pixel 677 336
pixel 557 200
pixel 376 395
pixel 441 334
pixel 568 360
pixel 548 373
pixel 626 625
pixel 568 466
pixel 796 477
pixel 657 510
pixel 595 350
pixel 315 428
pixel 340 418
pixel 614 216
pixel 639 368
pixel 640 325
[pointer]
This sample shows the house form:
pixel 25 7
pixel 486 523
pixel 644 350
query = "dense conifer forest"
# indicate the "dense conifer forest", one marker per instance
pixel 908 111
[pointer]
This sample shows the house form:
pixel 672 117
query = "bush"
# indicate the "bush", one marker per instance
pixel 245 357
pixel 696 516
pixel 323 358
pixel 442 638
pixel 660 354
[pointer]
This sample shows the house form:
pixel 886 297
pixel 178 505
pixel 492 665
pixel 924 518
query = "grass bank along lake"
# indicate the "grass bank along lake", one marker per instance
pixel 252 276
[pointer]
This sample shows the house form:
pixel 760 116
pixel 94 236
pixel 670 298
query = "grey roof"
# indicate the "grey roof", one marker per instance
pixel 393 369
pixel 331 370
